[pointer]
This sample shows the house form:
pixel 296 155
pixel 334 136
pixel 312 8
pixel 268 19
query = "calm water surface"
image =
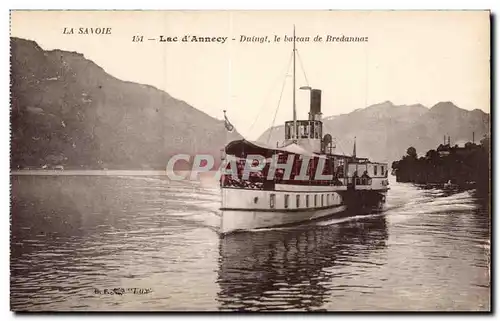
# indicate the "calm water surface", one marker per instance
pixel 71 235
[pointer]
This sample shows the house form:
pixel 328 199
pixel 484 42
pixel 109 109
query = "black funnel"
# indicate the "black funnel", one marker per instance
pixel 315 101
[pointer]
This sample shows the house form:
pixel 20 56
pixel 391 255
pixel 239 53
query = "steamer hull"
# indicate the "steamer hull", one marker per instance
pixel 246 209
pixel 239 220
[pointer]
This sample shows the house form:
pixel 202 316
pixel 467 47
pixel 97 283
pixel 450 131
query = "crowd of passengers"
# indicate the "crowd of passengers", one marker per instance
pixel 259 179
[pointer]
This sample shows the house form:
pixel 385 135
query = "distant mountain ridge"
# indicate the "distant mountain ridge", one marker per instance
pixel 384 131
pixel 67 111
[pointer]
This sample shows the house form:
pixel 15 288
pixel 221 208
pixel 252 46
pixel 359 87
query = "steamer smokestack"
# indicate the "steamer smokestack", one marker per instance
pixel 315 109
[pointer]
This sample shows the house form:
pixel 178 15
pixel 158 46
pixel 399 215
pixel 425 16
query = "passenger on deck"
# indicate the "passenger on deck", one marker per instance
pixel 365 178
pixel 355 178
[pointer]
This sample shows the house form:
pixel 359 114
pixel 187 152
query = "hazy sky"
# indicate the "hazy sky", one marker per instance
pixel 410 57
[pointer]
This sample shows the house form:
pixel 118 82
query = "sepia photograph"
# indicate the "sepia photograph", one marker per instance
pixel 250 161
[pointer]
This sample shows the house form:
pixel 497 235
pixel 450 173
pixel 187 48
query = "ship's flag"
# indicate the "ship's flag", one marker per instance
pixel 227 123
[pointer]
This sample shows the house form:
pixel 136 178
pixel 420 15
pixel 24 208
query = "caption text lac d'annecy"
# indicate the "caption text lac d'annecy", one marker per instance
pixel 256 39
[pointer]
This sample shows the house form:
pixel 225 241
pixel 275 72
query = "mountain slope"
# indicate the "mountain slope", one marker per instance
pixel 66 110
pixel 384 131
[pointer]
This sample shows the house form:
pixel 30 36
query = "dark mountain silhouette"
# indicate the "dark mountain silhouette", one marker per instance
pixel 66 110
pixel 384 131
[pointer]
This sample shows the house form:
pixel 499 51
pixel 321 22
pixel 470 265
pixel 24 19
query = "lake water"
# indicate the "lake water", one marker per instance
pixel 75 237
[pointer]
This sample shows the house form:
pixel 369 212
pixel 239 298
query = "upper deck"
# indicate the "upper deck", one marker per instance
pixel 258 166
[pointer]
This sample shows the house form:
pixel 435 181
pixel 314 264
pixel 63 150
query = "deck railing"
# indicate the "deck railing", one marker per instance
pixel 264 184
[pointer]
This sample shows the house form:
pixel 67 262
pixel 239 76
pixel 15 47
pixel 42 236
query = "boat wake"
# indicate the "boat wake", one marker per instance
pixel 324 221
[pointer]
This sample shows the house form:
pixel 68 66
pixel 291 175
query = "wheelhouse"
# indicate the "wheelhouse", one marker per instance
pixel 312 129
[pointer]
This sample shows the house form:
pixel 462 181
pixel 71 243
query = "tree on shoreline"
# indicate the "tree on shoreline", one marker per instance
pixel 458 165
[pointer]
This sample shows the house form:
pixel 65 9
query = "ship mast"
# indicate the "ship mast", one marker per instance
pixel 294 105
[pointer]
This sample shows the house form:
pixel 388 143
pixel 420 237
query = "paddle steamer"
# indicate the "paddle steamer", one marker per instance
pixel 301 179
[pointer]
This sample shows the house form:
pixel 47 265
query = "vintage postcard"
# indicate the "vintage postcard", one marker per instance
pixel 250 161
